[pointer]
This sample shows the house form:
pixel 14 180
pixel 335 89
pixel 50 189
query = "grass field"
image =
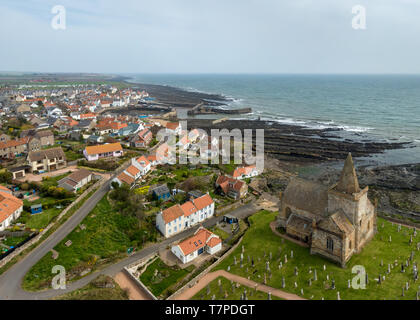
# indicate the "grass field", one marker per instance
pixel 226 292
pixel 105 239
pixel 40 220
pixel 164 278
pixel 102 288
pixel 259 241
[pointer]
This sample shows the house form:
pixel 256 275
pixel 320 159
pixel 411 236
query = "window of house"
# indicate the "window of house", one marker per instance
pixel 350 244
pixel 330 244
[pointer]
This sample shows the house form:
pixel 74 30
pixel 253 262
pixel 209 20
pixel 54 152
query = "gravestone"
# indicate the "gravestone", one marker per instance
pixel 291 254
pixel 315 276
pixel 333 284
pixel 338 295
pixel 285 258
pixel 283 283
pixel 269 295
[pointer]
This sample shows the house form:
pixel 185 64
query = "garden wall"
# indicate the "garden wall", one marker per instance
pixel 131 271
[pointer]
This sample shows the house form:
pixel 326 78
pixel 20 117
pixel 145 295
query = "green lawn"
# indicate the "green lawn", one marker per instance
pixel 13 241
pixel 221 233
pixel 49 213
pixel 106 239
pixel 39 220
pixel 232 293
pixel 165 277
pixel 96 290
pixel 259 241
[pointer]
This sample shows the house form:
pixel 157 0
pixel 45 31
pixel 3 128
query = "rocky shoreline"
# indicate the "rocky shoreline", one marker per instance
pixel 179 98
pixel 300 144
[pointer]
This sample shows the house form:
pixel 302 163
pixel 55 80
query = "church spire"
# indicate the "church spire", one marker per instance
pixel 348 182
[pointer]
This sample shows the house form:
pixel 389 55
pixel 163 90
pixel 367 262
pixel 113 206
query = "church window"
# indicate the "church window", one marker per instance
pixel 330 244
pixel 288 212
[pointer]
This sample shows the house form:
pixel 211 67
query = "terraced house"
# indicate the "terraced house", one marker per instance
pixel 47 160
pixel 12 148
pixel 108 150
pixel 181 217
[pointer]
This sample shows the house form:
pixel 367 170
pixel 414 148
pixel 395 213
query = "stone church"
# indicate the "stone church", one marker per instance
pixel 335 221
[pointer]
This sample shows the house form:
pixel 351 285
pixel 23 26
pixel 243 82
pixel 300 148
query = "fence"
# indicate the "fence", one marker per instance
pixel 10 251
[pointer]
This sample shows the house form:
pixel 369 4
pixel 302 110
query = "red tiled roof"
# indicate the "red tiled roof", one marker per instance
pixel 197 241
pixel 104 148
pixel 132 170
pixel 125 178
pixel 188 208
pixel 202 202
pixel 172 213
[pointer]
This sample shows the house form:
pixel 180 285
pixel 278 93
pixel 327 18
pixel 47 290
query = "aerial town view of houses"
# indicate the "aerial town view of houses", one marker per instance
pixel 83 165
pixel 208 152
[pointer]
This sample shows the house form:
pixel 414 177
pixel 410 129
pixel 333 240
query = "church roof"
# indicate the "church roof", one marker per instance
pixel 337 222
pixel 348 182
pixel 300 223
pixel 306 195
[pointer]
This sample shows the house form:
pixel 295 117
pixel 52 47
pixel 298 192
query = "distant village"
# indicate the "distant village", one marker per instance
pixel 69 135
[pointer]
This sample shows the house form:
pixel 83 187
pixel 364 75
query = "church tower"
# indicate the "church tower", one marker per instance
pixel 346 196
pixel 348 182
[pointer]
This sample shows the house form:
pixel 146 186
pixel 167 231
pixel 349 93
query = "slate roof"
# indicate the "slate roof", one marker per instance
pixel 306 195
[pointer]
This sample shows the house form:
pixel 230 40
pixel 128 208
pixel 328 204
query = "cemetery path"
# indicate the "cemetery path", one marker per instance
pixel 190 292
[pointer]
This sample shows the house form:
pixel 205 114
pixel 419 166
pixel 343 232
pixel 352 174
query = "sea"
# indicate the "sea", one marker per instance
pixel 384 108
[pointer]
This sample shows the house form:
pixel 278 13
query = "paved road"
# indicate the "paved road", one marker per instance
pixel 10 281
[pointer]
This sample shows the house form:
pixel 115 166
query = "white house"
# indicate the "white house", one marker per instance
pixel 202 241
pixel 142 164
pixel 181 217
pixel 10 208
pixel 54 112
pixel 245 172
pixel 108 150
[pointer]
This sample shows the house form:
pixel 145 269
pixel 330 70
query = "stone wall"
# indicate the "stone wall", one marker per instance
pixel 131 271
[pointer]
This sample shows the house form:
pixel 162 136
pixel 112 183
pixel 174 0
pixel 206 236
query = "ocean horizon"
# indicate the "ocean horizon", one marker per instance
pixel 384 108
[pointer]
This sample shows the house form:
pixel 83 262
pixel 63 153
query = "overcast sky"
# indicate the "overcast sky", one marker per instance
pixel 218 36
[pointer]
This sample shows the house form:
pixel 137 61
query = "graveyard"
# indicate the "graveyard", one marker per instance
pixel 390 262
pixel 223 289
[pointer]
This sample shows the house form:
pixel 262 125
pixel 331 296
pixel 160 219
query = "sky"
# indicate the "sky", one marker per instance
pixel 218 36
